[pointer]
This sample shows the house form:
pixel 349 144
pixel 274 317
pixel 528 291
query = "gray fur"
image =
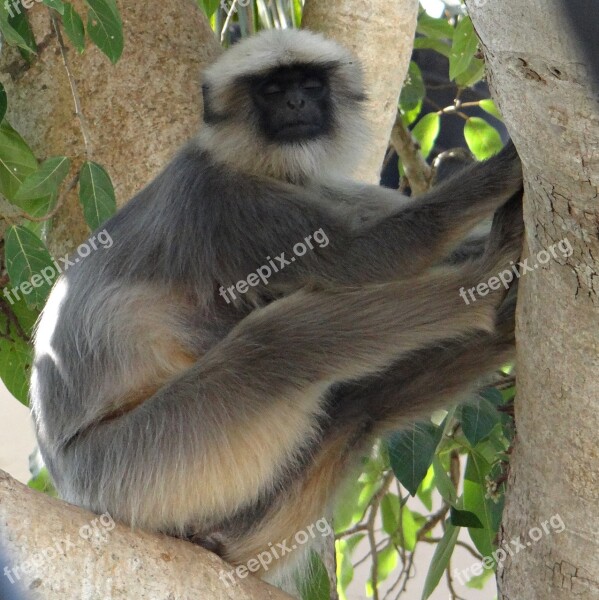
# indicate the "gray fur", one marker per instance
pixel 160 403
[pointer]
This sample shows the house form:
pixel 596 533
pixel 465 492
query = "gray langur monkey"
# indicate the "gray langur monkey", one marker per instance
pixel 232 418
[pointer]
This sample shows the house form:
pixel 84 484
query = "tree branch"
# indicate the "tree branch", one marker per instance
pixel 62 552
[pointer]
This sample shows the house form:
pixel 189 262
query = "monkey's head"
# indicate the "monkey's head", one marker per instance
pixel 287 104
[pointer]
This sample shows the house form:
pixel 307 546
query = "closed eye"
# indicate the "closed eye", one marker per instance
pixel 312 84
pixel 271 89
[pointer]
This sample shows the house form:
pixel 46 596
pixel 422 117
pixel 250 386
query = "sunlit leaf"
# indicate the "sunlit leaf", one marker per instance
pixel 483 139
pixel 465 46
pixel 489 106
pixel 211 6
pixel 42 482
pixel 426 132
pixel 426 488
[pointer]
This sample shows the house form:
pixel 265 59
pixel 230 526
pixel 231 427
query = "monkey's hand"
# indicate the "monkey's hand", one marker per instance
pixel 504 244
pixel 503 171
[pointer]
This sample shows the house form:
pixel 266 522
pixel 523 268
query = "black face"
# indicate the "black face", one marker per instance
pixel 293 103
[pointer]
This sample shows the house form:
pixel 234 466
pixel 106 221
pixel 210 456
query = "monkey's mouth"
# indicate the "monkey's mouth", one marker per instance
pixel 298 131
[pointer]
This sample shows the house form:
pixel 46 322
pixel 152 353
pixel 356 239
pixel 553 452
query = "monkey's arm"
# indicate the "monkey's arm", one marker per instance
pixel 435 376
pixel 416 234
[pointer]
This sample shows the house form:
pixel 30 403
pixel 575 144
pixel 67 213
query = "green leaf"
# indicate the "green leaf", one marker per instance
pixel 463 49
pixel 16 354
pixel 46 180
pixel 9 33
pixel 464 518
pixel 345 569
pixel 489 513
pixel 426 132
pixel 409 529
pixel 105 27
pixel 17 161
pixel 209 6
pixel 478 419
pixel 3 102
pixel 42 482
pixel 434 28
pixel 27 259
pixel 57 5
pixel 411 452
pixel 483 139
pixel 317 585
pixel 443 483
pixel 387 562
pixel 425 490
pixel 492 395
pixel 20 23
pixel 96 194
pixel 409 116
pixel 440 559
pixel 390 510
pixel 413 90
pixel 73 25
pixel 431 44
pixel 490 107
pixel 473 73
pixel 352 503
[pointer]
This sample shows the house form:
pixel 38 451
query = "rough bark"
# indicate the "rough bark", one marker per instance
pixel 134 114
pixel 381 34
pixel 543 89
pixel 69 554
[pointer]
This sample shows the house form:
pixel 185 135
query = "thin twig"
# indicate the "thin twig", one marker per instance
pixel 227 22
pixel 74 91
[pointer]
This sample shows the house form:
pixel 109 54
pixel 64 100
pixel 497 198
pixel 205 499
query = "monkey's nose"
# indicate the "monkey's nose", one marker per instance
pixel 295 102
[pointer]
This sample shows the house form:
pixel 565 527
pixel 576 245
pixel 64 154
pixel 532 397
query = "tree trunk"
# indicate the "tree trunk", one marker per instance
pixel 61 552
pixel 381 35
pixel 543 89
pixel 134 115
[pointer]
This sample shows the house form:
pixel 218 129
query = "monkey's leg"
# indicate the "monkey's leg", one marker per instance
pixel 427 380
pixel 411 389
pixel 220 434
